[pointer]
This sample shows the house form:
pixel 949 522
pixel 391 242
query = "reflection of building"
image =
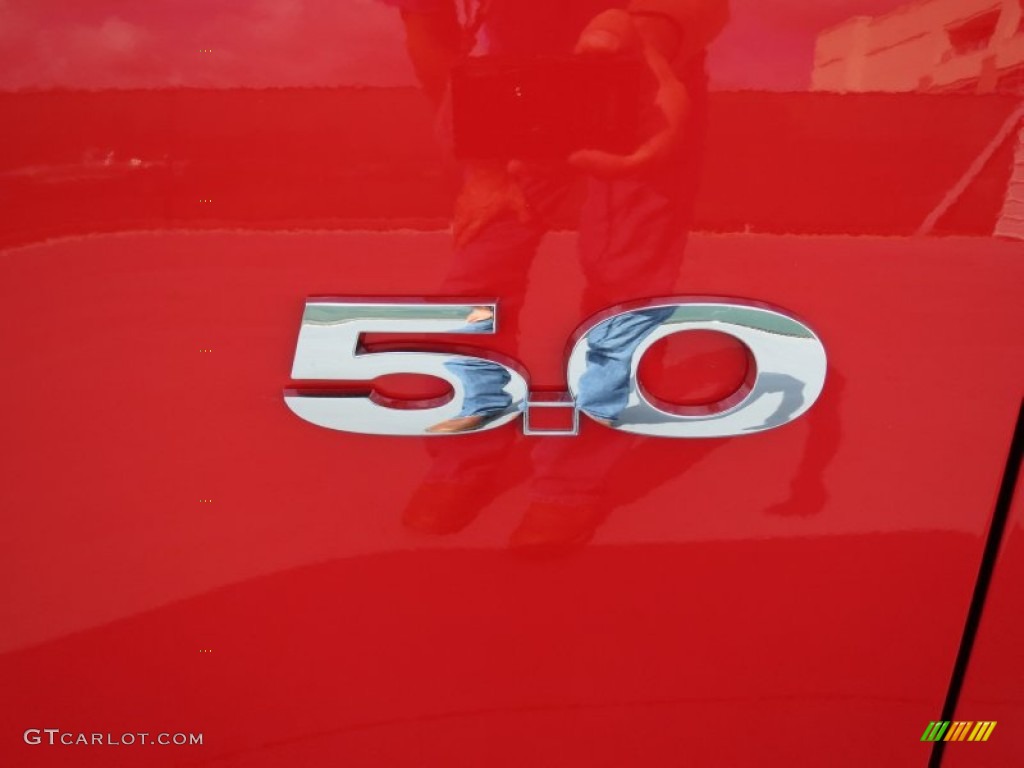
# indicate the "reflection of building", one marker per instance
pixel 968 46
pixel 938 46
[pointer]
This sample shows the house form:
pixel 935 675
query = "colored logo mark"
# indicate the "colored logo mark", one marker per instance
pixel 959 730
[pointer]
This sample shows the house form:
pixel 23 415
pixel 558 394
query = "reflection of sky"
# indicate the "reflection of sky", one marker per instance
pixel 260 43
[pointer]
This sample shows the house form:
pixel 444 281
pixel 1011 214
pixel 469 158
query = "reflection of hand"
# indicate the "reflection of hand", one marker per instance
pixel 617 31
pixel 488 193
pixel 479 314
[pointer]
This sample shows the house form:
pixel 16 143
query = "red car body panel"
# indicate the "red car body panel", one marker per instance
pixel 183 554
pixel 995 675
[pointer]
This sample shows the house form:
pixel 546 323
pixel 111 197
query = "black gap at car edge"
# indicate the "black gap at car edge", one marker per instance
pixel 1000 516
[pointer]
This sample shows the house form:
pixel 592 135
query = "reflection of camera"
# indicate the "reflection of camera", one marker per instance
pixel 546 107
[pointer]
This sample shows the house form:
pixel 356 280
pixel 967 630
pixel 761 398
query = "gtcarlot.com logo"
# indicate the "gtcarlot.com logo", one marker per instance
pixel 57 737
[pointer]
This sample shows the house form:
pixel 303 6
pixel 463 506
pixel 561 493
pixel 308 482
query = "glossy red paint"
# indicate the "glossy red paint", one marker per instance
pixel 184 554
pixel 995 678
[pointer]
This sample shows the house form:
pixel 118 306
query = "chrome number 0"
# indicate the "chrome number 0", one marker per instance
pixel 787 375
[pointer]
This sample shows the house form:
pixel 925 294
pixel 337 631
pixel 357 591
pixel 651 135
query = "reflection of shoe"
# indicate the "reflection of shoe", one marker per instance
pixel 808 499
pixel 552 529
pixel 603 420
pixel 458 424
pixel 441 508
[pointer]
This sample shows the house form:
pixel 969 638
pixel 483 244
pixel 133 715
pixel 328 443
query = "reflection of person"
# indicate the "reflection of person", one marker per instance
pixel 605 384
pixel 634 221
pixel 632 233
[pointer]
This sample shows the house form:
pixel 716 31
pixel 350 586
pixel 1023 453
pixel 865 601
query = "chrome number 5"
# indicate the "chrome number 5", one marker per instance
pixel 329 349
pixel 786 377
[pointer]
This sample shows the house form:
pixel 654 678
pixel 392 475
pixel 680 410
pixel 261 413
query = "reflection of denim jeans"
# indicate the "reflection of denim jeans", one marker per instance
pixel 604 386
pixel 483 382
pixel 485 387
pixel 606 382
